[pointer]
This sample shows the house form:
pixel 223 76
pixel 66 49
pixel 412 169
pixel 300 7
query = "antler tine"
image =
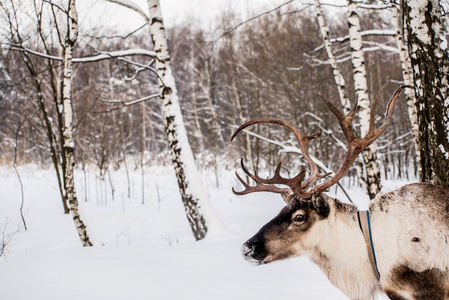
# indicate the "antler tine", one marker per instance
pixel 277 176
pixel 294 183
pixel 345 121
pixel 247 172
pixel 390 105
pixel 357 145
pixel 259 187
pixel 374 105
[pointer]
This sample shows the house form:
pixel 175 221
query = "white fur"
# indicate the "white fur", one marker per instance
pixel 394 230
pixel 340 240
pixel 337 245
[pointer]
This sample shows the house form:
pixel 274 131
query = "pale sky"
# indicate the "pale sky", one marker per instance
pixel 100 13
pixel 207 10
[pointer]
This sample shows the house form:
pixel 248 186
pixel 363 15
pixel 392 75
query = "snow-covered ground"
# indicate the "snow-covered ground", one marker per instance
pixel 143 250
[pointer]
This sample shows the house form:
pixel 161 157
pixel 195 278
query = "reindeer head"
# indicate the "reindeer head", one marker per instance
pixel 297 228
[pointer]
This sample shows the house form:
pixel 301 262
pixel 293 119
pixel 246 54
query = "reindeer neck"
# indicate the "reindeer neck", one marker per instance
pixel 341 253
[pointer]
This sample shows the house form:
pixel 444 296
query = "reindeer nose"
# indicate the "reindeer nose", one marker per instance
pixel 248 249
pixel 254 251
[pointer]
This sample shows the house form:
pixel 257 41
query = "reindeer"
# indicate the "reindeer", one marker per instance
pixel 399 246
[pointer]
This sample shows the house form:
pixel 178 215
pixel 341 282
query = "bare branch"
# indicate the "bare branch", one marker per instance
pixel 6 238
pixel 123 103
pixel 18 174
pixel 132 6
pixel 56 5
pixel 101 56
pixel 363 33
pixel 116 36
pixel 250 19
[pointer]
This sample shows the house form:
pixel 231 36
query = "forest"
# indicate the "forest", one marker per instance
pixel 102 112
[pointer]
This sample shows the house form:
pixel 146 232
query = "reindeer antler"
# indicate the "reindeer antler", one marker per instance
pixel 260 187
pixel 297 185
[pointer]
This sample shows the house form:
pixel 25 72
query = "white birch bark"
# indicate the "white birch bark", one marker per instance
pixel 338 77
pixel 372 179
pixel 401 32
pixel 199 212
pixel 430 65
pixel 68 143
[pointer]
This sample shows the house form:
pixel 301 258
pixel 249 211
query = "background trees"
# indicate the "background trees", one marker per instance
pixel 272 66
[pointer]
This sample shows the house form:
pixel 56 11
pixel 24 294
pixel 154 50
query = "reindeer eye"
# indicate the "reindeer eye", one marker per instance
pixel 299 218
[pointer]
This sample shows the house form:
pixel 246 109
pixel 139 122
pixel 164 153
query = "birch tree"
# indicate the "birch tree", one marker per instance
pixel 61 140
pixel 372 179
pixel 199 212
pixel 427 47
pixel 69 144
pixel 51 123
pixel 338 77
pixel 42 70
pixel 407 75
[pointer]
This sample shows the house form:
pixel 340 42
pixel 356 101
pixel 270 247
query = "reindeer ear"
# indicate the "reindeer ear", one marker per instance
pixel 287 197
pixel 321 205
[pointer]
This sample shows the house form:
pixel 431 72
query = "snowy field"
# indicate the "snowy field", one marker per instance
pixel 143 250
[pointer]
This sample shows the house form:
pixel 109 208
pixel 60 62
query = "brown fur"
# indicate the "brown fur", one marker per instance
pixel 426 285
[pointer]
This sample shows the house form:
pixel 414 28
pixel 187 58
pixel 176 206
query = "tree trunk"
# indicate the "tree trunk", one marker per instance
pixel 372 176
pixel 52 143
pixel 430 64
pixel 408 76
pixel 338 77
pixel 195 106
pixel 68 145
pixel 210 96
pixel 248 149
pixel 199 213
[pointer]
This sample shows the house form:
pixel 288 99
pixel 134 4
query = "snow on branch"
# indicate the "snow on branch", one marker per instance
pixel 115 54
pixel 382 47
pixel 347 56
pixel 405 135
pixel 133 6
pixel 142 66
pixel 140 69
pixel 375 6
pixel 288 149
pixel 95 58
pixel 324 4
pixel 374 32
pixel 359 4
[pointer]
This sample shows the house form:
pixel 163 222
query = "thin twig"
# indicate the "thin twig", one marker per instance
pixel 123 104
pixel 251 19
pixel 18 176
pixel 117 36
pixel 6 239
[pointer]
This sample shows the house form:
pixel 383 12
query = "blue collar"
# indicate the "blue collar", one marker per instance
pixel 365 227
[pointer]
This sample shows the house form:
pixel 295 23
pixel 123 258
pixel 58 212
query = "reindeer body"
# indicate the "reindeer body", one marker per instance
pixel 409 226
pixel 410 229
